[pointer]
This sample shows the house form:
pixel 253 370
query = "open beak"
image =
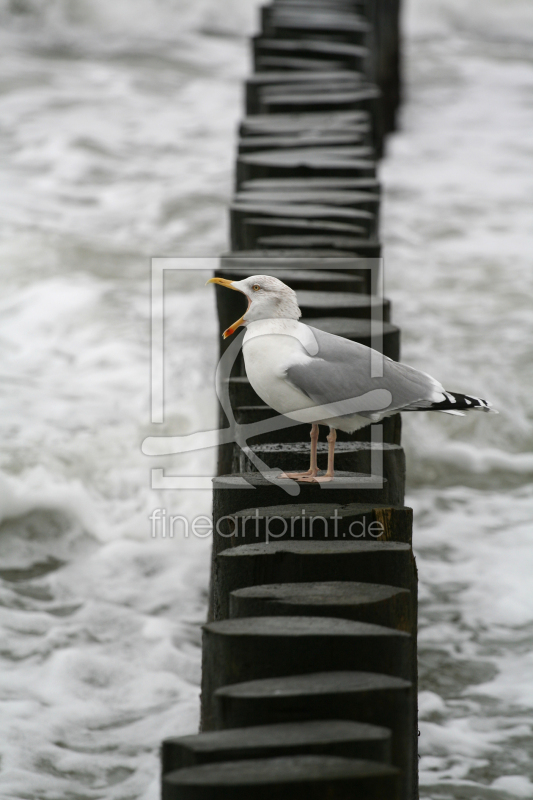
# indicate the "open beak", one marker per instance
pixel 229 285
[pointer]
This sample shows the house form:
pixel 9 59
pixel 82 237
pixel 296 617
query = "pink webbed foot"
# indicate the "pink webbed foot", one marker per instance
pixel 300 476
pixel 318 478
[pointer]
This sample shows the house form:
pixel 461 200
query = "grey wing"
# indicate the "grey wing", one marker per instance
pixel 341 370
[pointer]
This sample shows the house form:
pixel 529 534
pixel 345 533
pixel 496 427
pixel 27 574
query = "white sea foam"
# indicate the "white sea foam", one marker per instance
pixel 457 267
pixel 117 127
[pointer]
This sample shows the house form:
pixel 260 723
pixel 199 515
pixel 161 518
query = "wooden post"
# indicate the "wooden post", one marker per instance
pixel 311 642
pixel 289 561
pixel 288 184
pixel 321 737
pixel 362 602
pixel 248 221
pixel 352 139
pixel 342 304
pixel 251 648
pixel 330 242
pixel 375 698
pixel 291 163
pixel 344 198
pixel 288 778
pixel 342 522
pixel 289 24
pixel 350 457
pixel 301 81
pixel 269 54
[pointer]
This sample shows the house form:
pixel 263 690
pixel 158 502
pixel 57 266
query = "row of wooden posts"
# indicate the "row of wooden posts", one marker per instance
pixel 309 672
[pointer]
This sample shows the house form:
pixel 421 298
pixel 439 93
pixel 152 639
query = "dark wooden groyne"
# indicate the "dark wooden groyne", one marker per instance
pixel 309 673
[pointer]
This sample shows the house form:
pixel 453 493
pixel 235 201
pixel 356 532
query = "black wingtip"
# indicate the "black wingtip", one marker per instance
pixel 455 401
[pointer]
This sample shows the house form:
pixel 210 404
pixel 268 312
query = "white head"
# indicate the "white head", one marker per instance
pixel 268 297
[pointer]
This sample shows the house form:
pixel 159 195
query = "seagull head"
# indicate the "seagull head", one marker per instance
pixel 268 298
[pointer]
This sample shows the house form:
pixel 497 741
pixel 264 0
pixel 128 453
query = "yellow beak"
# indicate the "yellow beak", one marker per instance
pixel 229 285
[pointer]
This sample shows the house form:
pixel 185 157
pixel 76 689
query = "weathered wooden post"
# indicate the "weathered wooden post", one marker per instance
pixel 364 602
pixel 366 697
pixel 342 738
pixel 287 778
pixel 309 656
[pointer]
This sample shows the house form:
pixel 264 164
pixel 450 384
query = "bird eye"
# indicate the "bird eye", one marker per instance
pixel 256 287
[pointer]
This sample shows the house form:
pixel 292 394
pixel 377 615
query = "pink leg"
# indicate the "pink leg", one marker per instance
pixel 313 469
pixel 330 472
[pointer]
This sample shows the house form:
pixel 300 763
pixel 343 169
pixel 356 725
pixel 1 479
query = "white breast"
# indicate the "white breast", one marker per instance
pixel 270 347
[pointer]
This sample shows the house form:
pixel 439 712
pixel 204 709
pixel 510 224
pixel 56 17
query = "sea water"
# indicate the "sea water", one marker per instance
pixel 117 133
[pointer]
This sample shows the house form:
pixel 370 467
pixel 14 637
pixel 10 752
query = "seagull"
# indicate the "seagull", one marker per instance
pixel 312 376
